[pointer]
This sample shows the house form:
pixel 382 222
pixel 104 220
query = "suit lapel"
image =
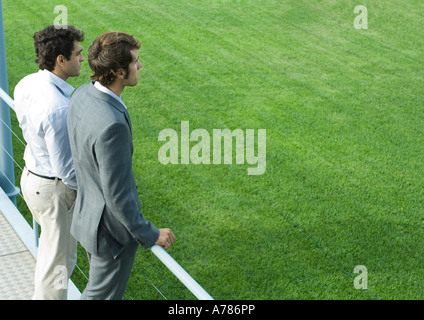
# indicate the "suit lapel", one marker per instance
pixel 127 117
pixel 121 108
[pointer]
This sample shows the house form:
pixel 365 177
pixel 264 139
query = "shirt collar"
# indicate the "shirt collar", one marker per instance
pixel 65 88
pixel 106 90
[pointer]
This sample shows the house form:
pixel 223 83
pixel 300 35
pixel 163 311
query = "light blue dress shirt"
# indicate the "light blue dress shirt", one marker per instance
pixel 41 105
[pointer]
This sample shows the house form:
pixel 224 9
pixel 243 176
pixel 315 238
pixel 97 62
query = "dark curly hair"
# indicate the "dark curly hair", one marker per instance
pixel 110 52
pixel 51 42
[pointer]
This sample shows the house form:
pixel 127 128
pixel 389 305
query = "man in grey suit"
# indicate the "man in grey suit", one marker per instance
pixel 107 216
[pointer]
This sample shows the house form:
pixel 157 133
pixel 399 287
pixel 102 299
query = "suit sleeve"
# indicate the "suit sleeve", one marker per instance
pixel 113 151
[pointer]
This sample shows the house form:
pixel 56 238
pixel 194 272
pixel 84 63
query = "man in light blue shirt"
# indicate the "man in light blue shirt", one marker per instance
pixel 48 181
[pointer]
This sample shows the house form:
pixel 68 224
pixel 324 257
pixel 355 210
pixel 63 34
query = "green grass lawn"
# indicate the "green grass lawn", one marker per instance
pixel 343 113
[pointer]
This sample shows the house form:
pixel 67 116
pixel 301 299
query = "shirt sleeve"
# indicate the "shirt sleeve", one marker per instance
pixel 58 147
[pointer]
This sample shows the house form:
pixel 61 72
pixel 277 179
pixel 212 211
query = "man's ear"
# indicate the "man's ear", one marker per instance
pixel 120 73
pixel 60 60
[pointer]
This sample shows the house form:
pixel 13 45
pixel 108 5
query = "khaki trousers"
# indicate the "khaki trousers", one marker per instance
pixel 51 203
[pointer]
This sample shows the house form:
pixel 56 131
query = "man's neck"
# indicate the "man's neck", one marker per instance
pixel 60 74
pixel 116 87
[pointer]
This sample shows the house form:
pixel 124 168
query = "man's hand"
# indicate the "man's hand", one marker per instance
pixel 166 238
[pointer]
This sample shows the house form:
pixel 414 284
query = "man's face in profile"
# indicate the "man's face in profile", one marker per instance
pixel 131 78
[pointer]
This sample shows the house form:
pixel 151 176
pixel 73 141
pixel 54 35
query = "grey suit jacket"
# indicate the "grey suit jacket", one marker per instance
pixel 107 200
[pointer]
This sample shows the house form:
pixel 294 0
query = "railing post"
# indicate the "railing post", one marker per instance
pixel 7 172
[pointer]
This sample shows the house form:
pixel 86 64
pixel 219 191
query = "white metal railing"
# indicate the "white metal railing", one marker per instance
pixel 7 99
pixel 158 251
pixel 180 273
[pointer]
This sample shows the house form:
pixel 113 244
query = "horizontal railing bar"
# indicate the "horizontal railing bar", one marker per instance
pixel 7 99
pixel 180 273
